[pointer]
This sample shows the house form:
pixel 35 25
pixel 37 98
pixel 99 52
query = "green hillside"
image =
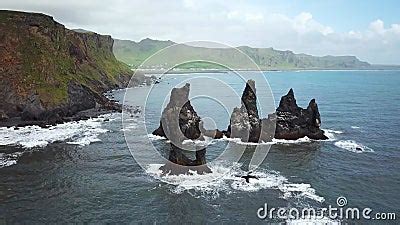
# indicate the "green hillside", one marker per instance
pixel 134 53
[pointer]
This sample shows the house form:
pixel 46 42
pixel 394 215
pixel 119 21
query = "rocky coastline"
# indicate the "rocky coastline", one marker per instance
pixel 85 105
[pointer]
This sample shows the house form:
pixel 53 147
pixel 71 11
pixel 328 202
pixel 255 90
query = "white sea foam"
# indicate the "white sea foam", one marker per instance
pixel 207 141
pixel 355 127
pixel 331 134
pixel 129 127
pixel 240 142
pixel 283 141
pixel 353 146
pixel 131 124
pixel 300 190
pixel 313 221
pixel 9 159
pixel 333 131
pixel 272 142
pixel 153 137
pixel 81 132
pixel 226 179
pixel 86 140
pixel 328 132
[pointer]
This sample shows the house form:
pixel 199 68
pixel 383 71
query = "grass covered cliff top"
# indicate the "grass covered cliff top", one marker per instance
pixel 134 53
pixel 40 56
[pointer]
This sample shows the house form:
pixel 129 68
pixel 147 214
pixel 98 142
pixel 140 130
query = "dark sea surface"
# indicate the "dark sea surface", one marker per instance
pixel 84 171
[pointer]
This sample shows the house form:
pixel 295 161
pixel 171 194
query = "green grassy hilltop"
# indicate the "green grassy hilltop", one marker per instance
pixel 134 53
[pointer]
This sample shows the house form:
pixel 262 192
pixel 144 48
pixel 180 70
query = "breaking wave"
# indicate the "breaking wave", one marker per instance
pixel 313 221
pixel 331 134
pixel 153 137
pixel 226 179
pixel 274 141
pixel 9 159
pixel 353 146
pixel 82 133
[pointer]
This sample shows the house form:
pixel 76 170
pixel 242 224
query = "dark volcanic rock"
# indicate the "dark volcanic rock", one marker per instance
pixel 33 108
pixel 180 122
pixel 81 98
pixel 245 122
pixel 216 134
pixel 3 115
pixel 289 122
pixel 294 122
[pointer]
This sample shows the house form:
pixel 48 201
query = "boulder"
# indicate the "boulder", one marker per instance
pixel 215 134
pixel 294 122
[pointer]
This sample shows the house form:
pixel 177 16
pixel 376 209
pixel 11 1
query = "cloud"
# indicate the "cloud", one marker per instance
pixel 242 23
pixel 304 23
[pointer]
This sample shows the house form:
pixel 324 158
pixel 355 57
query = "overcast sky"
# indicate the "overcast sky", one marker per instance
pixel 369 30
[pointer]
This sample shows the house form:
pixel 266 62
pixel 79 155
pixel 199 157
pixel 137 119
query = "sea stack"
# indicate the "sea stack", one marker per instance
pixel 245 122
pixel 294 122
pixel 179 122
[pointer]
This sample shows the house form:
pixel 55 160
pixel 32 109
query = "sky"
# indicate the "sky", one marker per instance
pixel 367 29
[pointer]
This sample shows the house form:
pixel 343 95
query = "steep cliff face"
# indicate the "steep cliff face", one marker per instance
pixel 46 69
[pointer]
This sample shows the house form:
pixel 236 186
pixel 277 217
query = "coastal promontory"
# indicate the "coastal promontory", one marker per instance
pixel 49 72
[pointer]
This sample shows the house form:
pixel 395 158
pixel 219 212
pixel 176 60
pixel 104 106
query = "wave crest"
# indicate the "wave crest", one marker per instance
pixel 226 179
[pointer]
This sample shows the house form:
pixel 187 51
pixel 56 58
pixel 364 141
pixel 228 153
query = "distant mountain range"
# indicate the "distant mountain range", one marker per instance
pixel 134 53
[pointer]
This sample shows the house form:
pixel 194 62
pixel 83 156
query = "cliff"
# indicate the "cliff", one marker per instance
pixel 48 71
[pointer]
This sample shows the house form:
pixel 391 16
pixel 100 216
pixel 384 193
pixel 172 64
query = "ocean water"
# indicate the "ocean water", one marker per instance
pixel 84 171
